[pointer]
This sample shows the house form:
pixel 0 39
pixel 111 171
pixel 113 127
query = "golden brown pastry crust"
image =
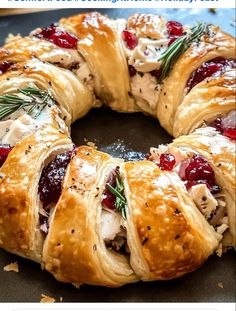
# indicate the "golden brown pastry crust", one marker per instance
pixel 167 235
pixel 21 49
pixel 146 25
pixel 173 92
pixel 19 219
pixel 219 151
pixel 206 101
pixel 173 237
pixel 75 253
pixel 100 46
pixel 73 98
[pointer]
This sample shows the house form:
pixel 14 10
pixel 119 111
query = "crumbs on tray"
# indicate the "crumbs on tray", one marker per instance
pixel 90 144
pixel 12 267
pixel 220 285
pixel 47 299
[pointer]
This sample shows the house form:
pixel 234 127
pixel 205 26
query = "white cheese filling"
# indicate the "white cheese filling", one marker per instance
pixel 111 224
pixel 146 56
pixel 146 90
pixel 15 129
pixel 17 125
pixel 113 230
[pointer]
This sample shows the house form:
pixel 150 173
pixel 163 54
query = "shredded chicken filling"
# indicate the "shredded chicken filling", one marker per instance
pixel 212 206
pixel 113 227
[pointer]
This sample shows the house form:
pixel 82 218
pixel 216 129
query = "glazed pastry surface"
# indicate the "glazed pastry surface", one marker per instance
pixel 52 78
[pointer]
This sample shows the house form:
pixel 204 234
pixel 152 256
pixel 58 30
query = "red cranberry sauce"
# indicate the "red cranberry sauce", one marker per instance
pixel 5 66
pixel 167 161
pixel 109 199
pixel 209 69
pixel 198 171
pixel 4 151
pixel 193 171
pixel 230 133
pixel 62 39
pixel 130 39
pixel 175 30
pixel 226 131
pixel 51 179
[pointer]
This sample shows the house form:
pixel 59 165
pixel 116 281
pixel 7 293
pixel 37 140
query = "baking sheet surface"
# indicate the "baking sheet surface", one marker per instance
pixel 129 137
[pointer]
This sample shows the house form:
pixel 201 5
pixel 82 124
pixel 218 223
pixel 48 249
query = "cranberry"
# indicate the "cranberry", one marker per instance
pixel 175 30
pixel 132 71
pixel 230 133
pixel 208 69
pixel 226 131
pixel 130 39
pixel 109 199
pixel 197 171
pixel 47 32
pixel 172 40
pixel 4 151
pixel 167 161
pixel 51 179
pixel 62 39
pixel 4 66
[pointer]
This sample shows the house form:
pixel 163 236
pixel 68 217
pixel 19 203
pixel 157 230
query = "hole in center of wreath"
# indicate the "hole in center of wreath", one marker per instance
pixel 126 136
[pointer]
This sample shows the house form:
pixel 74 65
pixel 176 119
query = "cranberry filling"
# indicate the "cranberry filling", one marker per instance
pixel 4 66
pixel 229 132
pixel 208 69
pixel 167 161
pixel 109 199
pixel 175 30
pixel 4 151
pixel 62 39
pixel 130 39
pixel 197 171
pixel 51 179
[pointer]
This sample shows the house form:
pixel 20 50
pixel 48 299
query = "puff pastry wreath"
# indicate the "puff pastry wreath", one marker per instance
pixel 83 215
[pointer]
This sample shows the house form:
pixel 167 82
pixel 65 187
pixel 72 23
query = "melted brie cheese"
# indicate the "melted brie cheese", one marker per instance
pixel 145 57
pixel 15 129
pixel 18 129
pixel 111 223
pixel 146 91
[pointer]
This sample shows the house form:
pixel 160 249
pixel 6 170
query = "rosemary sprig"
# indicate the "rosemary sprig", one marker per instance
pixel 33 102
pixel 179 47
pixel 121 202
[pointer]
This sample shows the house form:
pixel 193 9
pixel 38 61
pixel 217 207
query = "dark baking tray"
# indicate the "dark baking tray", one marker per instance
pixel 127 136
